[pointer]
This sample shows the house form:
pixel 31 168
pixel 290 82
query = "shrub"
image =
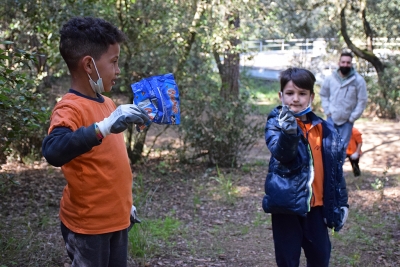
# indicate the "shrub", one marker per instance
pixel 22 111
pixel 219 129
pixel 385 97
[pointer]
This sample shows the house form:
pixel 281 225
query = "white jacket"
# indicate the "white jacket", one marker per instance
pixel 344 100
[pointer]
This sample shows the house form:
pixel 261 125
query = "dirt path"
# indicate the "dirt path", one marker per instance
pixel 381 146
pixel 241 235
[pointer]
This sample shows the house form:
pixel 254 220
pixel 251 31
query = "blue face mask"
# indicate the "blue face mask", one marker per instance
pixel 303 112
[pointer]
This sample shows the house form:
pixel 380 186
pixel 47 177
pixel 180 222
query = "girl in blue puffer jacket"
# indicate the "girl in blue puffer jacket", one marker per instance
pixel 305 190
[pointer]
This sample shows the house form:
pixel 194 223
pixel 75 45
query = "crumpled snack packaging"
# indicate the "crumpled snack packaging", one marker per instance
pixel 159 97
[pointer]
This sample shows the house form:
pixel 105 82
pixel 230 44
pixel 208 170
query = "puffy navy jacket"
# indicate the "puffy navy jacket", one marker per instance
pixel 290 173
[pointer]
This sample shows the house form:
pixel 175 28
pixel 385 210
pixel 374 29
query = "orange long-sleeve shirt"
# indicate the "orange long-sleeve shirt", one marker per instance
pixel 98 196
pixel 355 139
pixel 314 136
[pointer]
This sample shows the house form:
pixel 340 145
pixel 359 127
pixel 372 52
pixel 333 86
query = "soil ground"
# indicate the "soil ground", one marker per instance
pixel 217 229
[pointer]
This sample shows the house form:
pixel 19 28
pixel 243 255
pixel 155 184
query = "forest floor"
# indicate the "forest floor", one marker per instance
pixel 215 214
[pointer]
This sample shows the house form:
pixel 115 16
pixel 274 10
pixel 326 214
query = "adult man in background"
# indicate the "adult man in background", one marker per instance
pixel 344 97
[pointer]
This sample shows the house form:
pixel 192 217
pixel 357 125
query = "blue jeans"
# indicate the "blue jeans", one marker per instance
pixel 102 250
pixel 344 131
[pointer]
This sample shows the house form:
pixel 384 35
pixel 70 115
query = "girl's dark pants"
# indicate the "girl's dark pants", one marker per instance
pixel 293 232
pixel 103 250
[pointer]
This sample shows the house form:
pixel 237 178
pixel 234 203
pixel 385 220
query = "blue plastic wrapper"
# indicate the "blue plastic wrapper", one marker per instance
pixel 159 97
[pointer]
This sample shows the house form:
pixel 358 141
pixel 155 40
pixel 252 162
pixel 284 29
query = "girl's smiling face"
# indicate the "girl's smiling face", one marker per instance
pixel 296 98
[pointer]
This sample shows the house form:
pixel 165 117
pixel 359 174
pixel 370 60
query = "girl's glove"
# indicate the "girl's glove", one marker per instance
pixel 121 117
pixel 287 121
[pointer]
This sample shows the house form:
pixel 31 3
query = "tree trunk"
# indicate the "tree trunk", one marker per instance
pixel 385 109
pixel 229 69
pixel 135 152
pixel 200 9
pixel 230 76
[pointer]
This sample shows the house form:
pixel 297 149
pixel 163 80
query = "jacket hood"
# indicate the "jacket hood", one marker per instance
pixel 351 73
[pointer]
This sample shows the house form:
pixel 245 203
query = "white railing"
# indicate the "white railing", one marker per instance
pixel 279 44
pixel 310 44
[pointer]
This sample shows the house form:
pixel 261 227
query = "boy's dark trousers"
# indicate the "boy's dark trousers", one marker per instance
pixel 103 250
pixel 354 165
pixel 293 232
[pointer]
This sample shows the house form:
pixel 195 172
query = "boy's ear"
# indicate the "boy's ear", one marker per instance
pixel 312 97
pixel 280 95
pixel 87 64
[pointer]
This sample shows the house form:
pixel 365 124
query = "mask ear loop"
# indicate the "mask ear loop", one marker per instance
pixel 98 75
pixel 309 104
pixel 280 93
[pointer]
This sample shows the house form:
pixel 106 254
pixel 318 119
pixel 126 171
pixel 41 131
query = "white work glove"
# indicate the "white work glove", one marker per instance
pixel 355 155
pixel 134 216
pixel 120 118
pixel 345 214
pixel 287 121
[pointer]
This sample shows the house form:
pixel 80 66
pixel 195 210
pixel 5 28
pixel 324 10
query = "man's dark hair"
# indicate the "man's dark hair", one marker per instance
pixel 82 36
pixel 346 54
pixel 302 78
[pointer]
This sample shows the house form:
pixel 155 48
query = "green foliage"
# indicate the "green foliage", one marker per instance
pixel 181 37
pixel 226 188
pixel 34 26
pixel 22 108
pixel 250 166
pixel 11 245
pixel 379 183
pixel 385 95
pixel 140 196
pixel 262 219
pixel 144 238
pixel 264 94
pixel 221 130
pixel 6 181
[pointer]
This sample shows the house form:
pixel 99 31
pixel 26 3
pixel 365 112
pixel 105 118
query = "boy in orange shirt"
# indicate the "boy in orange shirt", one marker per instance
pixel 85 138
pixel 354 152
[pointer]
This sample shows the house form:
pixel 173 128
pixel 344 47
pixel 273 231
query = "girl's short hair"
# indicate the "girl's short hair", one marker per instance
pixel 87 36
pixel 302 78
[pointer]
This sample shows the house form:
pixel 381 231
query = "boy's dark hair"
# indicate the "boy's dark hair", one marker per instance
pixel 302 78
pixel 82 36
pixel 346 54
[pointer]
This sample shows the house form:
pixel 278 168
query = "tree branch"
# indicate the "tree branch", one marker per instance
pixel 367 55
pixel 201 7
pixel 367 29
